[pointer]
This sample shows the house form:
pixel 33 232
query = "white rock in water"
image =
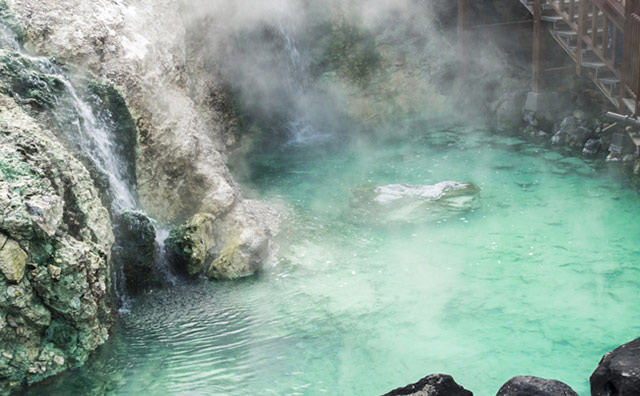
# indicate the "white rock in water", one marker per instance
pixel 393 192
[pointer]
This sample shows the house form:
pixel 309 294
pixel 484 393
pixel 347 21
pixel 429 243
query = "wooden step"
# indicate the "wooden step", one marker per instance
pixel 574 49
pixel 568 33
pixel 552 18
pixel 593 64
pixel 609 80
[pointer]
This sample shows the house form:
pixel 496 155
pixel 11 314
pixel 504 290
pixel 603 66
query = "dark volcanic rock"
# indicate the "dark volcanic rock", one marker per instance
pixel 134 249
pixel 592 147
pixel 535 386
pixel 573 132
pixel 432 385
pixel 618 373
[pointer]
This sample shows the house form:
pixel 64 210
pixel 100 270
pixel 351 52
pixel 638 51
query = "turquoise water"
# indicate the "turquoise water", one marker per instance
pixel 540 278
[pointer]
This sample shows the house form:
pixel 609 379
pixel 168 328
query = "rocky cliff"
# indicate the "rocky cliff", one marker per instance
pixel 55 241
pixel 180 108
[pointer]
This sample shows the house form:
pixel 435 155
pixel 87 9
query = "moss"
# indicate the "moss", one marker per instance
pixel 187 246
pixel 223 267
pixel 21 79
pixel 8 19
pixel 181 247
pixel 13 171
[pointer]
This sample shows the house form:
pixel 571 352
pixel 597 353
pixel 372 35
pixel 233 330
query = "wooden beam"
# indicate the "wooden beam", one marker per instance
pixel 581 30
pixel 462 50
pixel 537 13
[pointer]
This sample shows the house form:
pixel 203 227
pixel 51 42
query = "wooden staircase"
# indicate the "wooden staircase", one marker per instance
pixel 597 52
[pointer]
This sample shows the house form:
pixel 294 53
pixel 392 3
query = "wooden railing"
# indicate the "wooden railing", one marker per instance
pixel 599 25
pixel 631 56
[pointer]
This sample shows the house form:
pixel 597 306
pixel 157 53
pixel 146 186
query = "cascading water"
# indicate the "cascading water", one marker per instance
pixel 300 129
pixel 97 141
pixel 93 134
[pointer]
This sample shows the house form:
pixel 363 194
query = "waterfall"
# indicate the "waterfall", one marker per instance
pixel 97 141
pixel 299 127
pixel 93 134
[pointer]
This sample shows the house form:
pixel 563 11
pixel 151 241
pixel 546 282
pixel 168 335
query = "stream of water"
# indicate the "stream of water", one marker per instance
pixel 539 279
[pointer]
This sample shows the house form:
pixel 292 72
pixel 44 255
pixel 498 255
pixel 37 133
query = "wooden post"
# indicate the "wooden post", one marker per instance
pixel 462 51
pixel 537 13
pixel 579 45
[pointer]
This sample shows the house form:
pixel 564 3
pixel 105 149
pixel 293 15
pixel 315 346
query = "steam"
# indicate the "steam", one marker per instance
pixel 301 71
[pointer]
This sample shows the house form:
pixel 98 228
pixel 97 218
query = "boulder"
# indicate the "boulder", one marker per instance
pixel 135 249
pixel 618 373
pixel 432 385
pixel 573 132
pixel 190 245
pixel 229 247
pixel 244 241
pixel 592 147
pixel 535 386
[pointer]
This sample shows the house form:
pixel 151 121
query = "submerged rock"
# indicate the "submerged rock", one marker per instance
pixel 135 250
pixel 409 203
pixel 535 386
pixel 618 372
pixel 432 385
pixel 447 189
pixel 55 242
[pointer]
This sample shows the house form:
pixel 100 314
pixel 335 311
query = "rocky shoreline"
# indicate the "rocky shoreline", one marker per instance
pixel 174 113
pixel 617 374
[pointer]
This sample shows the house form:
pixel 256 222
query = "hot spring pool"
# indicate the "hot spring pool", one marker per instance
pixel 541 278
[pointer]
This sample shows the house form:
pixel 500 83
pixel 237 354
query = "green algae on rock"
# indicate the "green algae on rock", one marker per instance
pixel 56 239
pixel 190 244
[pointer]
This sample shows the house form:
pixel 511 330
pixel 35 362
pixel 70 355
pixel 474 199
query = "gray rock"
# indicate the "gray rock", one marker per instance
pixel 432 385
pixel 13 260
pixel 618 373
pixel 592 147
pixel 573 133
pixel 535 386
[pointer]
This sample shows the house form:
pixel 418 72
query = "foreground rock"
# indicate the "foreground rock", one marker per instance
pixel 178 102
pixel 618 372
pixel 432 385
pixel 229 247
pixel 535 386
pixel 55 242
pixel 135 250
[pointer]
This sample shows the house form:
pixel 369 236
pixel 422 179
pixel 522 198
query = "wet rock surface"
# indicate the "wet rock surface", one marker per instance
pixel 135 250
pixel 535 386
pixel 224 248
pixel 55 241
pixel 432 385
pixel 618 372
pixel 178 104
